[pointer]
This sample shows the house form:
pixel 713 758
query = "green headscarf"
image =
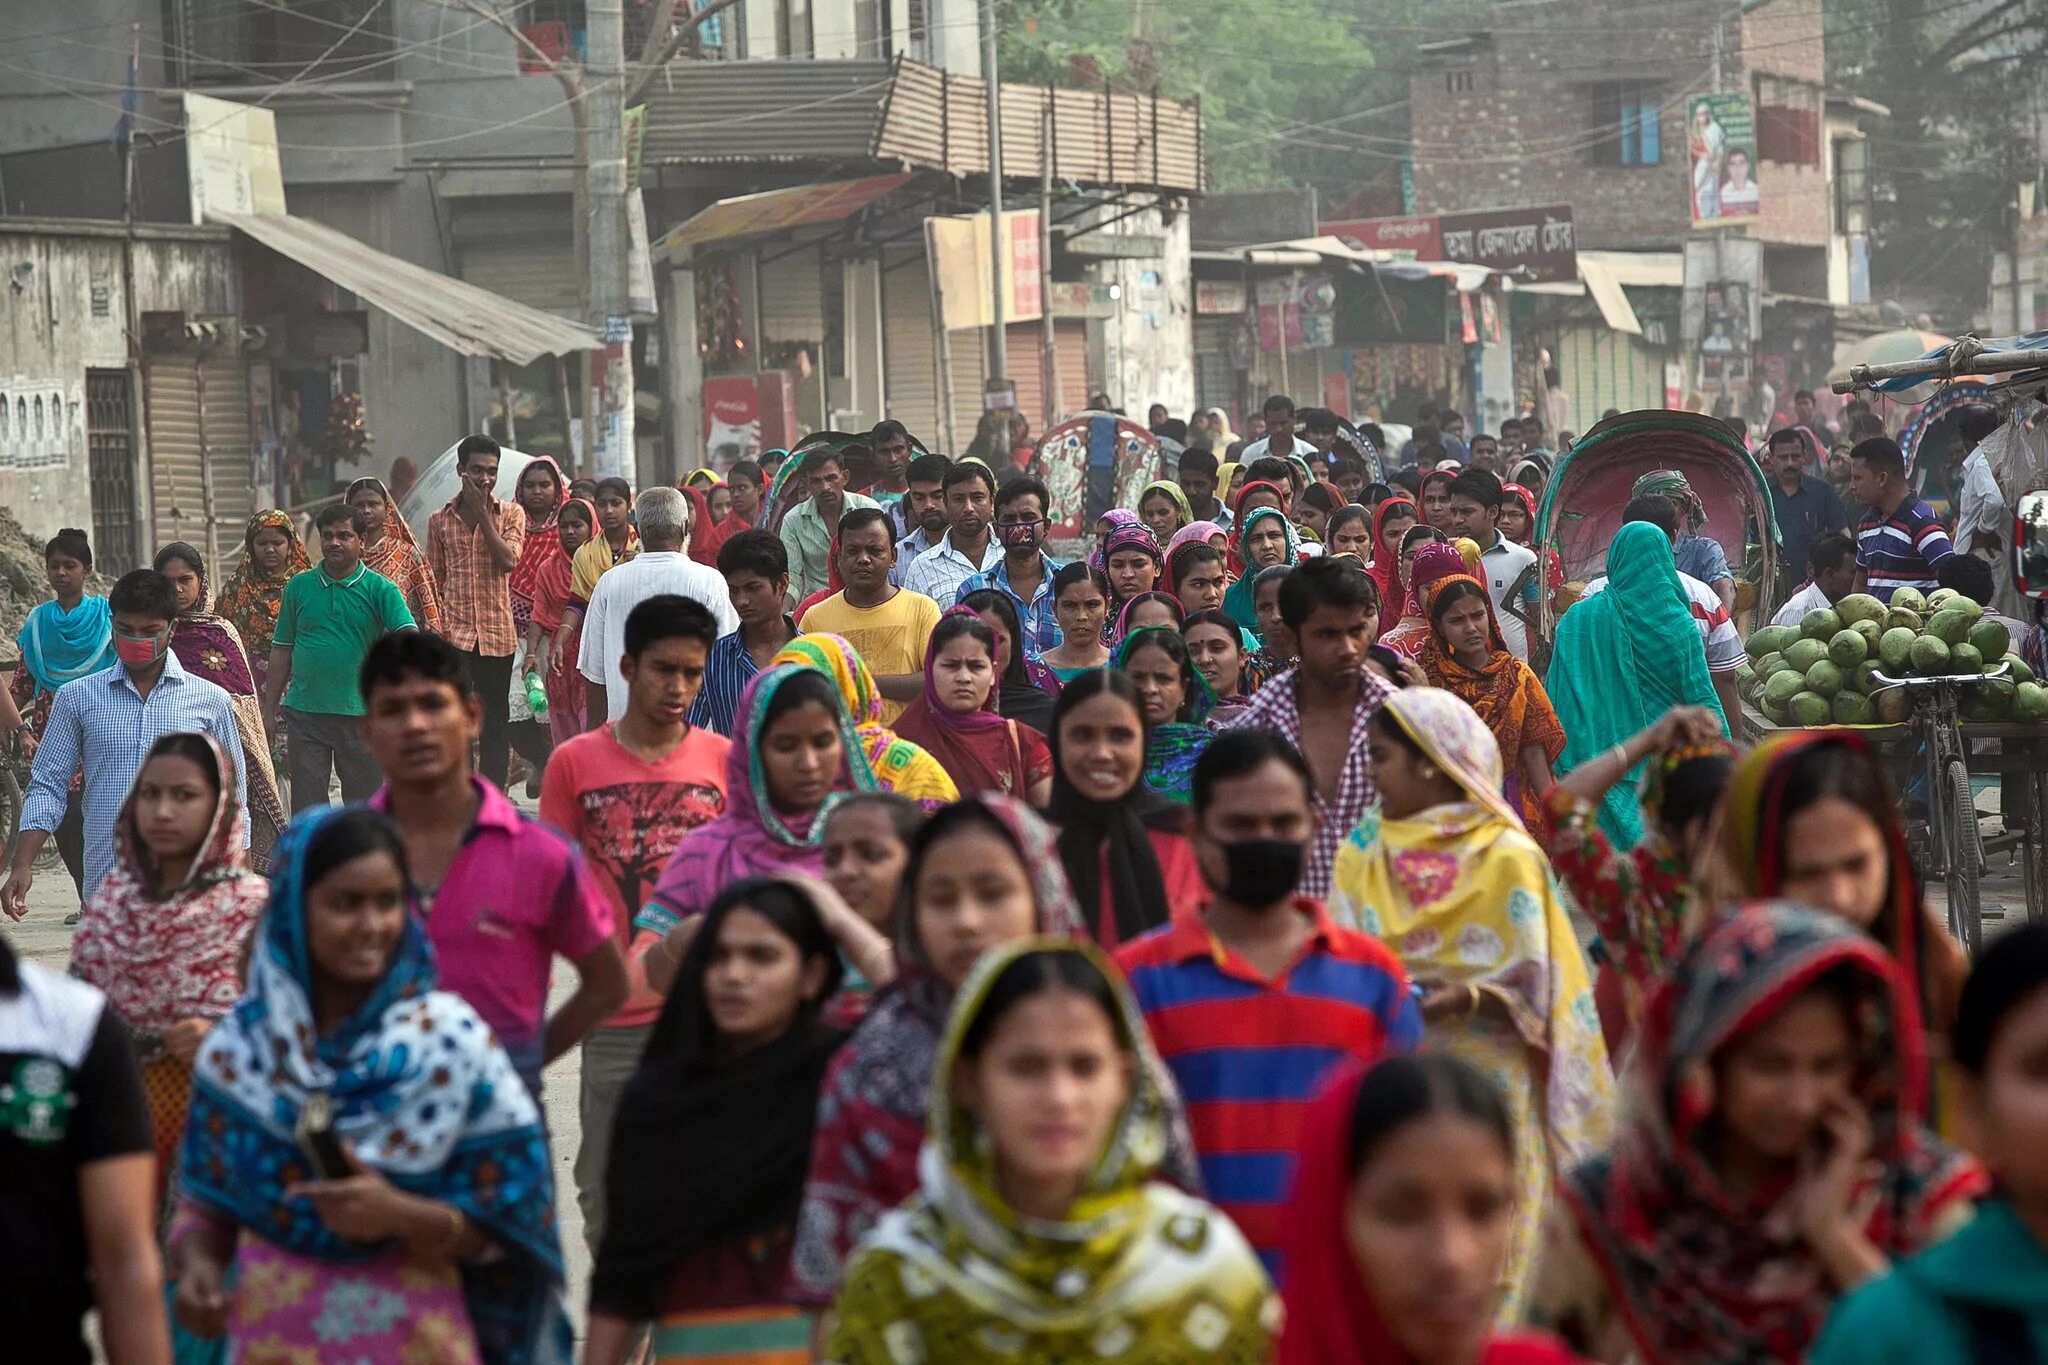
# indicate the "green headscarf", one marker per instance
pixel 1624 657
pixel 1240 600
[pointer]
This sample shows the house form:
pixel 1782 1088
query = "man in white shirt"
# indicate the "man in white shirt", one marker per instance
pixel 969 546
pixel 663 520
pixel 1831 576
pixel 1983 521
pixel 1279 440
pixel 1473 511
pixel 1717 628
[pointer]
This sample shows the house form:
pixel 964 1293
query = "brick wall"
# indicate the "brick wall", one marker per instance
pixel 1511 121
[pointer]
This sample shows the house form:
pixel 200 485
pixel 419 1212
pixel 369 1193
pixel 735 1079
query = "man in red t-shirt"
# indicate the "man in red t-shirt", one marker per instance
pixel 628 792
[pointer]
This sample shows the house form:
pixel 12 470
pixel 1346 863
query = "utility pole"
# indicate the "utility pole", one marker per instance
pixel 608 398
pixel 998 245
pixel 1051 333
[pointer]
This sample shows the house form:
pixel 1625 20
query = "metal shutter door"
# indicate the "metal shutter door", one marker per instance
pixel 910 384
pixel 200 466
pixel 1026 358
pixel 537 271
pixel 177 489
pixel 792 298
pixel 230 455
pixel 1070 341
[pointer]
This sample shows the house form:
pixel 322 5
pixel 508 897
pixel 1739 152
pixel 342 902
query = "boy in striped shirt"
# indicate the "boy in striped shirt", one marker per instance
pixel 1254 995
pixel 1899 543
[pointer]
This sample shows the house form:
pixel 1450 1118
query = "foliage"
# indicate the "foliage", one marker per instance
pixel 1960 81
pixel 1292 91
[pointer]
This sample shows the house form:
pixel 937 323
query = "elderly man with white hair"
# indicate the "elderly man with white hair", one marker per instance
pixel 662 517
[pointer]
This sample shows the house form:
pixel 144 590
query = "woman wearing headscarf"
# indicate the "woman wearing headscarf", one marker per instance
pixel 1132 559
pixel 1466 655
pixel 553 635
pixel 389 549
pixel 437 1241
pixel 899 765
pixel 1443 871
pixel 1622 658
pixel 65 638
pixel 1266 539
pixel 1730 1212
pixel 794 756
pixel 730 1075
pixel 1313 508
pixel 1228 474
pixel 1175 701
pixel 1025 687
pixel 1431 563
pixel 1155 608
pixel 1400 1221
pixel 1124 847
pixel 864 1155
pixel 209 647
pixel 956 718
pixel 542 492
pixel 1165 509
pixel 1217 423
pixel 271 554
pixel 1643 900
pixel 1208 532
pixel 1115 1263
pixel 1390 522
pixel 163 936
pixel 1810 817
pixel 703 547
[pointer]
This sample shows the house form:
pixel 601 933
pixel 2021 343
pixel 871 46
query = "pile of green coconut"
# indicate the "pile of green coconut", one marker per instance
pixel 1825 670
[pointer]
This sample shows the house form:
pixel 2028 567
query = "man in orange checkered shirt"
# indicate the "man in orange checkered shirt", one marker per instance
pixel 472 545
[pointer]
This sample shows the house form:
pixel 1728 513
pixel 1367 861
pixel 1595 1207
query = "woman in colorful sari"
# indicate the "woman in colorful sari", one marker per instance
pixel 1132 559
pixel 1810 817
pixel 163 936
pixel 1622 658
pixel 898 765
pixel 1175 701
pixel 1736 1203
pixel 794 756
pixel 956 718
pixel 1390 522
pixel 271 554
pixel 1643 899
pixel 390 549
pixel 209 648
pixel 1428 562
pixel 62 640
pixel 1443 871
pixel 1266 539
pixel 435 1241
pixel 983 872
pixel 730 1075
pixel 542 492
pixel 1400 1221
pixel 553 633
pixel 1274 657
pixel 1087 1257
pixel 1467 656
pixel 1164 509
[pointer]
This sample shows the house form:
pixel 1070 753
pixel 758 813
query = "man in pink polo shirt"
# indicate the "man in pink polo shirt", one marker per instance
pixel 503 894
pixel 628 792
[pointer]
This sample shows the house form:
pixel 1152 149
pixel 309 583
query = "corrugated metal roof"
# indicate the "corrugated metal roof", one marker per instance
pixel 765 111
pixel 461 316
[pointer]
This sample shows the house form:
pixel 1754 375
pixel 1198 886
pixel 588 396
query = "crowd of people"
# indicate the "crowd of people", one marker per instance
pixel 1257 939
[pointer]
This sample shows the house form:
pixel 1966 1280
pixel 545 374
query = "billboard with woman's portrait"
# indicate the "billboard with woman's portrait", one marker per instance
pixel 1721 150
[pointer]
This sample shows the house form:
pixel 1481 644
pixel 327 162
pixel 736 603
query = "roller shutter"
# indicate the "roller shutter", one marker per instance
pixel 910 384
pixel 537 271
pixel 200 463
pixel 1216 373
pixel 793 297
pixel 1603 369
pixel 1026 359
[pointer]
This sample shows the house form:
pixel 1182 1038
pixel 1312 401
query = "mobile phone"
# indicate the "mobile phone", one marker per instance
pixel 318 1140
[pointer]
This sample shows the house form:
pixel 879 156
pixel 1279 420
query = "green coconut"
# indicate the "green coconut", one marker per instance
pixel 1991 638
pixel 1865 680
pixel 1781 687
pixel 1930 655
pixel 1949 627
pixel 1825 678
pixel 1896 648
pixel 1910 599
pixel 1803 654
pixel 1848 648
pixel 1859 606
pixel 1811 708
pixel 1899 617
pixel 1769 640
pixel 1853 708
pixel 1964 660
pixel 2017 668
pixel 2030 703
pixel 1893 704
pixel 1820 624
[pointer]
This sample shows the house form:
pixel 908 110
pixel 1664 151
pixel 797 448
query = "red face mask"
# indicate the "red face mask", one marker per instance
pixel 140 651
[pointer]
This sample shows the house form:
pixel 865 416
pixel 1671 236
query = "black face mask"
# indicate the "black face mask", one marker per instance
pixel 1261 871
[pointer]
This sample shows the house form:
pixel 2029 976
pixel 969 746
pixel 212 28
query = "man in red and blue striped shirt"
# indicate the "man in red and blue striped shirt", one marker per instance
pixel 1899 542
pixel 1254 995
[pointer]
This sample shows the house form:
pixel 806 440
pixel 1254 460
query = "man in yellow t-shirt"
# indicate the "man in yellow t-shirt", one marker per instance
pixel 887 626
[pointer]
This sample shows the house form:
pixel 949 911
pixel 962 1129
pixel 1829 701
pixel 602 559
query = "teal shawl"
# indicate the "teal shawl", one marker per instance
pixel 58 646
pixel 1172 749
pixel 1240 599
pixel 1624 657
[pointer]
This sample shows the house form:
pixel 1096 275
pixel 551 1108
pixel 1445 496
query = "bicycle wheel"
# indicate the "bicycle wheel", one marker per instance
pixel 10 814
pixel 1965 842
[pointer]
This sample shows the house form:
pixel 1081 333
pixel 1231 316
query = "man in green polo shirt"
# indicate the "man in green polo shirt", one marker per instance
pixel 329 617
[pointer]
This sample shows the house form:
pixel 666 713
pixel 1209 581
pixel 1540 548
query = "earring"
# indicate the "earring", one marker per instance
pixel 1428 772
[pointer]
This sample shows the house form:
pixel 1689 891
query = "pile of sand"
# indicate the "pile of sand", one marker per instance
pixel 23 583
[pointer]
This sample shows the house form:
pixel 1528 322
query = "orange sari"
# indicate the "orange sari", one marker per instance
pixel 1506 693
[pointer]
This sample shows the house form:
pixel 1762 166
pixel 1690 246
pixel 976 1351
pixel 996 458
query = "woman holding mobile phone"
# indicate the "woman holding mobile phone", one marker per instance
pixel 439 1243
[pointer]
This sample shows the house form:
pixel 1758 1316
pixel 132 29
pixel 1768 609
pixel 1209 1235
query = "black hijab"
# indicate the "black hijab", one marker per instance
pixel 1088 828
pixel 705 1149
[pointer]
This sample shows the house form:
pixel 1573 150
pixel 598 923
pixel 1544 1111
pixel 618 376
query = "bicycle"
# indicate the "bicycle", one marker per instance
pixel 1952 821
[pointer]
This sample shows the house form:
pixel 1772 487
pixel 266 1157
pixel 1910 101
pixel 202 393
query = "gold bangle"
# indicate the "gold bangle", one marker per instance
pixel 1472 1009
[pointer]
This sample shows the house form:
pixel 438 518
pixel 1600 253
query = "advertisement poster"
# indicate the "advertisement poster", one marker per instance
pixel 1721 146
pixel 732 419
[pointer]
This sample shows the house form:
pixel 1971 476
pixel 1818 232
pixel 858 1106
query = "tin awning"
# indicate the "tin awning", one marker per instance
pixel 775 210
pixel 457 314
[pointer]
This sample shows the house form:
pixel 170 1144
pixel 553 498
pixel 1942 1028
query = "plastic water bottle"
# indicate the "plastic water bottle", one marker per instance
pixel 536 696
